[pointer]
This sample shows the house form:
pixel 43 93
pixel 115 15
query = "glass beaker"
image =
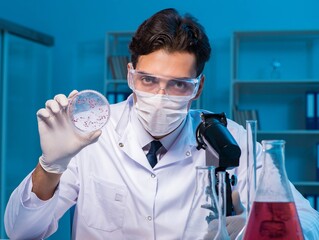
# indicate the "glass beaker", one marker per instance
pixel 251 128
pixel 273 214
pixel 88 110
pixel 206 210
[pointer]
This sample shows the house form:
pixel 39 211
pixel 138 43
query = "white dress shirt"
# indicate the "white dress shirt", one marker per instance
pixel 118 195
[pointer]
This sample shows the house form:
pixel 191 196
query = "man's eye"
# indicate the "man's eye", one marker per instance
pixel 178 84
pixel 148 79
pixel 181 84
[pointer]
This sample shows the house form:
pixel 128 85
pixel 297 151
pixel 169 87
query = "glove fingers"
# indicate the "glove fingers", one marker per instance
pixel 43 114
pixel 53 115
pixel 53 107
pixel 62 100
pixel 72 94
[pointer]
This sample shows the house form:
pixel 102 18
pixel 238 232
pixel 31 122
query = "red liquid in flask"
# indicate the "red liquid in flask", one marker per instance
pixel 273 220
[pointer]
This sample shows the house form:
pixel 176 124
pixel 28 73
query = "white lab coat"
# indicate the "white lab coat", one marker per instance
pixel 119 196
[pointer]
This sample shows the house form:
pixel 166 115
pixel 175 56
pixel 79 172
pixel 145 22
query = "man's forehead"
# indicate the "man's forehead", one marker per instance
pixel 163 63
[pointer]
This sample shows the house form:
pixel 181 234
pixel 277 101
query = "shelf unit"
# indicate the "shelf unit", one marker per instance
pixel 271 72
pixel 116 58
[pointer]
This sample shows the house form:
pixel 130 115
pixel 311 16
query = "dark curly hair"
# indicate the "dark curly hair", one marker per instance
pixel 170 31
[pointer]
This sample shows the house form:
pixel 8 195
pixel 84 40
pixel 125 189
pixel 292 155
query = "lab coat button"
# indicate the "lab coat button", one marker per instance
pixel 121 144
pixel 188 153
pixel 149 218
pixel 153 175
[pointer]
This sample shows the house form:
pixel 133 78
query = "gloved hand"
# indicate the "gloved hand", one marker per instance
pixel 212 230
pixel 59 139
pixel 236 223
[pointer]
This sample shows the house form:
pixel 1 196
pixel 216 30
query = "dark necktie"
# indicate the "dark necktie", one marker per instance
pixel 151 155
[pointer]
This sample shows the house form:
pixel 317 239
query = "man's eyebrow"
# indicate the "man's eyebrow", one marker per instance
pixel 146 73
pixel 168 77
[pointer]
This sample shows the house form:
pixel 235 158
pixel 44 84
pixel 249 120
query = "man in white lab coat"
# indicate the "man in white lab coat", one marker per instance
pixel 106 174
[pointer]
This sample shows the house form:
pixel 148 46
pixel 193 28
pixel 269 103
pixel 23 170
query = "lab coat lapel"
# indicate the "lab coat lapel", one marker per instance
pixel 132 148
pixel 127 137
pixel 181 149
pixel 183 146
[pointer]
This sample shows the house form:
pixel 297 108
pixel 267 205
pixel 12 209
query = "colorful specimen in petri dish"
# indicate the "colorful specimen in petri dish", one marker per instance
pixel 89 110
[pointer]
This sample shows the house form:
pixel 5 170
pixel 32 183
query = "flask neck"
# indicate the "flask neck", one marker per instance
pixel 273 185
pixel 274 156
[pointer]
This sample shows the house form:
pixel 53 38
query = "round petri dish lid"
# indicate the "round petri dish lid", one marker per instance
pixel 88 110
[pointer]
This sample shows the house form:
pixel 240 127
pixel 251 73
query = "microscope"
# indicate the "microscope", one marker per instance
pixel 222 150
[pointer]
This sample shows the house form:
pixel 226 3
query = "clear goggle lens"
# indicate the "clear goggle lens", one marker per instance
pixel 153 84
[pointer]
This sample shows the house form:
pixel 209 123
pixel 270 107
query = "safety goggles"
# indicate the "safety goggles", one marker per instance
pixel 153 84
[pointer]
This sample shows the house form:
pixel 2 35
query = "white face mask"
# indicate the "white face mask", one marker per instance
pixel 159 114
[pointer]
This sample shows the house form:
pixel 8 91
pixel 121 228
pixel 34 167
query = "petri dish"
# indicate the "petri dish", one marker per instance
pixel 88 110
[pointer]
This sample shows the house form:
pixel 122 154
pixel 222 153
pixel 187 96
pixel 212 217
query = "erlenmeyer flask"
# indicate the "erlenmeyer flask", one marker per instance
pixel 204 221
pixel 273 214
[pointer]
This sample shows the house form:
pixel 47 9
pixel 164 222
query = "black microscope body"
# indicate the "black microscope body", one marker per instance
pixel 222 150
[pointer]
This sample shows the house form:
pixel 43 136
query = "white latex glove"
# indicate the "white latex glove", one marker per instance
pixel 236 223
pixel 212 230
pixel 59 139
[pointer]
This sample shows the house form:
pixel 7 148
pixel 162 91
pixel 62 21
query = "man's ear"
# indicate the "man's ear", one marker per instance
pixel 200 88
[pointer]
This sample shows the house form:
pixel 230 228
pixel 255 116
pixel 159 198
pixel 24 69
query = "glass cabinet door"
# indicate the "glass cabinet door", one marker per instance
pixel 25 86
